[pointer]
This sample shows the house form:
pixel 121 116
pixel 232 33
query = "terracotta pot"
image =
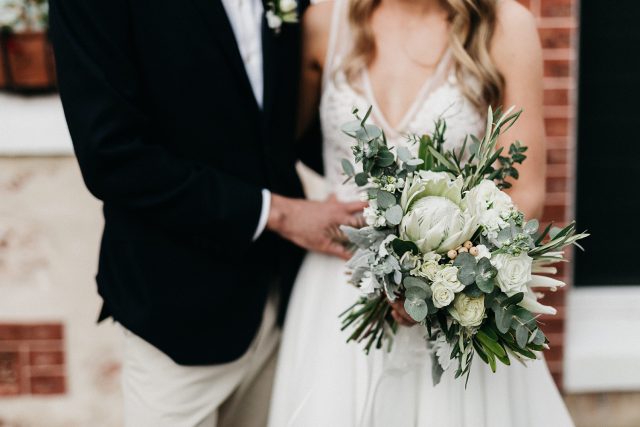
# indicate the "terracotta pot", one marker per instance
pixel 27 61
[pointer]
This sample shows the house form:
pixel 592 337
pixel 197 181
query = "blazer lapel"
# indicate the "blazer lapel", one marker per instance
pixel 269 67
pixel 216 20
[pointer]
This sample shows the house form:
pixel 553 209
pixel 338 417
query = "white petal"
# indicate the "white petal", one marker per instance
pixel 530 303
pixel 545 282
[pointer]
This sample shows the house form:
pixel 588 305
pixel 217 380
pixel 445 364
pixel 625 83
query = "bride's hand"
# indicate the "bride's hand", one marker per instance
pixel 399 314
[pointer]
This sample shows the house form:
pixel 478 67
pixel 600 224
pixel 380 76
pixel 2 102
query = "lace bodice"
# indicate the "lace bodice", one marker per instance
pixel 441 96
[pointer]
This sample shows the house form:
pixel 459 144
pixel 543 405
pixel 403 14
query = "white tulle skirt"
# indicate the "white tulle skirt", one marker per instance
pixel 321 381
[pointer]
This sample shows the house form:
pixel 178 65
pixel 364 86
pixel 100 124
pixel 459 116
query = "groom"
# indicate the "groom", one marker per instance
pixel 182 116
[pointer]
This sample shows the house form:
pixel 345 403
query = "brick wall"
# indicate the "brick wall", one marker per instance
pixel 557 23
pixel 32 360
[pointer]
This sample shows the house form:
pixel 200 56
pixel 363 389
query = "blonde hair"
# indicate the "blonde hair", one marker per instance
pixel 472 24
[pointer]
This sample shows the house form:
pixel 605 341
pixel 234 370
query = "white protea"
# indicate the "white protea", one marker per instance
pixel 530 300
pixel 436 218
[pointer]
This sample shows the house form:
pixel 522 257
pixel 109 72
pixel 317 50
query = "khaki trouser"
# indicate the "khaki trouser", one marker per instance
pixel 160 393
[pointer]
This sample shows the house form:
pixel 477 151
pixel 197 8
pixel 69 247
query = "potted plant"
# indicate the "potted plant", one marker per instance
pixel 26 56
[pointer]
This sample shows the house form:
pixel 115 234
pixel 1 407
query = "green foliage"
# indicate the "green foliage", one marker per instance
pixel 400 247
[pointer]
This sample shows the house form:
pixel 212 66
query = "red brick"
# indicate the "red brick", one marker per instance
pixel 45 385
pixel 554 8
pixel 10 332
pixel 556 97
pixel 553 325
pixel 35 331
pixel 557 68
pixel 555 299
pixel 10 373
pixel 556 184
pixel 555 38
pixel 557 156
pixel 38 358
pixel 557 126
pixel 50 331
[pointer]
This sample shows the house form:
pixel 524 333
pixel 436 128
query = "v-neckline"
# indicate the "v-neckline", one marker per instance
pixel 421 96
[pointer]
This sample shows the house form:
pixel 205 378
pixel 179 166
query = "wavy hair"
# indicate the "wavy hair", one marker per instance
pixel 472 24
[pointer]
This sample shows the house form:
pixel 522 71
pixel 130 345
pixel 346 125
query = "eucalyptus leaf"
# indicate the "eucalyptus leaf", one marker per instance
pixel 466 264
pixel 362 179
pixel 523 315
pixel 404 154
pixel 473 291
pixel 522 336
pixel 368 133
pixel 504 317
pixel 485 275
pixel 414 282
pixel 465 260
pixel 539 337
pixel 393 215
pixel 385 159
pixel 385 199
pixel 348 168
pixel 415 293
pixel 416 308
pixel 350 128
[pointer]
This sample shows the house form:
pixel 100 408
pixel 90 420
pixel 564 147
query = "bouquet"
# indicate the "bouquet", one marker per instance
pixel 443 235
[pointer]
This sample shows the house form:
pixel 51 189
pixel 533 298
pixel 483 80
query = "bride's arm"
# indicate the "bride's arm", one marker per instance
pixel 315 37
pixel 517 53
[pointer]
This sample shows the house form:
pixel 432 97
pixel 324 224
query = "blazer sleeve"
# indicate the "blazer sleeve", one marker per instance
pixel 120 163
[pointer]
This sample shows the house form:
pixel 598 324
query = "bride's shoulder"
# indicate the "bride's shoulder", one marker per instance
pixel 515 36
pixel 317 17
pixel 513 20
pixel 316 27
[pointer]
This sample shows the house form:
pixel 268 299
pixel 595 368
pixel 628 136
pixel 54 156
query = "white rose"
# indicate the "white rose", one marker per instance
pixel 429 269
pixel 442 295
pixel 430 266
pixel 489 204
pixel 273 20
pixel 468 311
pixel 448 276
pixel 514 272
pixel 483 252
pixel 435 218
pixel 287 6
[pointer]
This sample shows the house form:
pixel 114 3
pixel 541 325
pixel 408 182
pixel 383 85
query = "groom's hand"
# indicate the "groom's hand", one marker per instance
pixel 311 224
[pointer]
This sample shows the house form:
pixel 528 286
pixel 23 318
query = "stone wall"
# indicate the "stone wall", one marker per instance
pixel 57 368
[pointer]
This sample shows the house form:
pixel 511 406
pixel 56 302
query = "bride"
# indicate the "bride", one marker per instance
pixel 413 61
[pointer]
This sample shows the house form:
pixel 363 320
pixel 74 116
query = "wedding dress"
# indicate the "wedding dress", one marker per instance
pixel 321 381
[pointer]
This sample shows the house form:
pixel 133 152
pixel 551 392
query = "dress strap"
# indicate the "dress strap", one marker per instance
pixel 338 20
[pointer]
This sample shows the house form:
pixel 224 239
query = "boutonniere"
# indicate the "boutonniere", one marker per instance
pixel 281 11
